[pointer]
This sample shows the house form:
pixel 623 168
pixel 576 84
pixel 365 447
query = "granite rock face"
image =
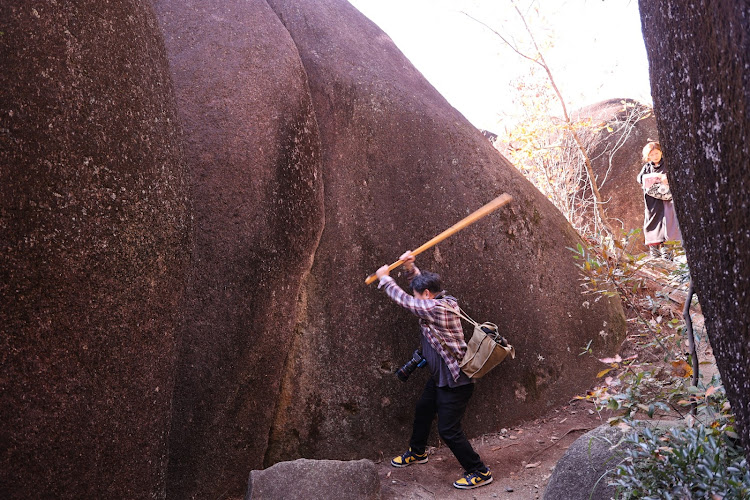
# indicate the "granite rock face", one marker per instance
pixel 239 333
pixel 253 156
pixel 623 127
pixel 699 57
pixel 93 249
pixel 399 166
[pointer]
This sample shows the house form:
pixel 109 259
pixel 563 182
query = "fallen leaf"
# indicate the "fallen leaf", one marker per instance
pixel 616 359
pixel 624 427
pixel 681 369
pixel 534 465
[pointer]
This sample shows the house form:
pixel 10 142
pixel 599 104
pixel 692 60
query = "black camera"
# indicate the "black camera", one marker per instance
pixel 416 361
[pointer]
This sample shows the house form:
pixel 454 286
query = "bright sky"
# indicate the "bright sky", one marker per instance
pixel 595 49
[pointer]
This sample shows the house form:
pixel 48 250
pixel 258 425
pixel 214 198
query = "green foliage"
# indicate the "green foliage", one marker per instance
pixel 691 463
pixel 704 460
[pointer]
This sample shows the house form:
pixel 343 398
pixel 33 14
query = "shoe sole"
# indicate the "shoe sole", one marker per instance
pixel 410 463
pixel 461 487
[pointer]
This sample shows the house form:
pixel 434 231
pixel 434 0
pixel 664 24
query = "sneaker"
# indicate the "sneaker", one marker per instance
pixel 474 480
pixel 409 458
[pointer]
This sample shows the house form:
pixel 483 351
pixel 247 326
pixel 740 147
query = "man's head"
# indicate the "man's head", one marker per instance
pixel 426 285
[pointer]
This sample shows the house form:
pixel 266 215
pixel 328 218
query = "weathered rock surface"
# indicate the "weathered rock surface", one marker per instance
pixel 253 155
pixel 305 479
pixel 399 166
pixel 93 239
pixel 699 59
pixel 616 158
pixel 583 472
pixel 283 351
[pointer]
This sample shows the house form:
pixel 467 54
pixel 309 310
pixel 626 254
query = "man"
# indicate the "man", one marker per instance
pixel 448 389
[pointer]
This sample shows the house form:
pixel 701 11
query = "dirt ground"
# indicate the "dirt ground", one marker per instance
pixel 522 458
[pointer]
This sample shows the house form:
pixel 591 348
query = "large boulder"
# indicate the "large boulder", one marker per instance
pixel 305 479
pixel 587 467
pixel 619 130
pixel 253 154
pixel 400 165
pixel 699 57
pixel 93 231
pixel 286 352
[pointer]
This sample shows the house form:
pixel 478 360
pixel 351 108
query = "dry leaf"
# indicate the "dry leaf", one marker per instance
pixel 534 465
pixel 681 369
pixel 616 359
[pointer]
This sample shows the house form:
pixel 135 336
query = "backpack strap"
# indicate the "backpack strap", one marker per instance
pixel 458 312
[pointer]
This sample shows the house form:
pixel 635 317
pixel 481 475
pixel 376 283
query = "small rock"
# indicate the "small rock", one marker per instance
pixel 509 489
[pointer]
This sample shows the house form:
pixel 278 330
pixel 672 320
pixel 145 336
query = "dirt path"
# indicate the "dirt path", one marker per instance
pixel 521 459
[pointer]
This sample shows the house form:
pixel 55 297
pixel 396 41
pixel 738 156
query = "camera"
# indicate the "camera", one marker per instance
pixel 416 361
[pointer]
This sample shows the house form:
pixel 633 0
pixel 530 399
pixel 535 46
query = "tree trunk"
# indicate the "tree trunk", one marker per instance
pixel 699 52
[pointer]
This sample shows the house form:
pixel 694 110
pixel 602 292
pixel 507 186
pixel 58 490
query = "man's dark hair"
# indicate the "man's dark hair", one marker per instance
pixel 426 281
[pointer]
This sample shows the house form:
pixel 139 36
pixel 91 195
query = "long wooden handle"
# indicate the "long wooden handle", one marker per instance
pixel 498 202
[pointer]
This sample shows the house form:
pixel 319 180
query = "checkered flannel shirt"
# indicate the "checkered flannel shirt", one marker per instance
pixel 431 314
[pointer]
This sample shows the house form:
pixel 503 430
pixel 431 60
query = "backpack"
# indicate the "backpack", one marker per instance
pixel 485 350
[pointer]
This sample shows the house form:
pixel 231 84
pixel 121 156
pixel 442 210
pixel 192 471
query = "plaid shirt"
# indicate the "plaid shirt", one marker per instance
pixel 434 319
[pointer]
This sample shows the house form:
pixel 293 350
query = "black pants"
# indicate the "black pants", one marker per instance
pixel 449 404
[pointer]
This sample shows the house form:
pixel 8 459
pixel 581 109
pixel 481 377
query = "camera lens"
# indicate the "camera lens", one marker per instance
pixel 406 370
pixel 415 362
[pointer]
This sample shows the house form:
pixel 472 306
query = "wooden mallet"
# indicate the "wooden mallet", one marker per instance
pixel 498 202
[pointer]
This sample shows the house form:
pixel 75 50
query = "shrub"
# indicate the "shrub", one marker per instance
pixel 684 464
